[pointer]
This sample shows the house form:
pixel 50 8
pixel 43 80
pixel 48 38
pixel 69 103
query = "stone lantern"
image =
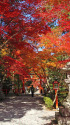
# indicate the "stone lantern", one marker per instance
pixel 55 85
pixel 63 116
pixel 66 69
pixel 56 88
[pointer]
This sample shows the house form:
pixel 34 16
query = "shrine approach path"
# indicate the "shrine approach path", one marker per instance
pixel 25 110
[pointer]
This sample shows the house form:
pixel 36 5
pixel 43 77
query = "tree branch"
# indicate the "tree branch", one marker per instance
pixel 8 40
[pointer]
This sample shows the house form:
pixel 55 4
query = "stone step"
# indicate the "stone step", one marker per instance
pixel 64 111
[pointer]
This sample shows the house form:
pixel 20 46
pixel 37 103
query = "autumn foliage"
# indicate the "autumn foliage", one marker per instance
pixel 26 26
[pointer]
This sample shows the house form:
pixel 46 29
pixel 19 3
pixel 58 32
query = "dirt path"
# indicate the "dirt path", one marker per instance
pixel 24 110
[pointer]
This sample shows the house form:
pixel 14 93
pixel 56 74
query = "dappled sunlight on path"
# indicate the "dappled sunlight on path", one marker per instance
pixel 24 110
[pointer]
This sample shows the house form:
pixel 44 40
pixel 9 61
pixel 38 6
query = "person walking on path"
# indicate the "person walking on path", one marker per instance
pixel 32 91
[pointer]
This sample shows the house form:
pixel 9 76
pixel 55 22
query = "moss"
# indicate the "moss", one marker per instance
pixel 48 102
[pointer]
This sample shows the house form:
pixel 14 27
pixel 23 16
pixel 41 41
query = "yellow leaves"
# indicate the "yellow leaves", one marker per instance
pixel 53 59
pixel 69 15
pixel 56 31
pixel 51 64
pixel 3 52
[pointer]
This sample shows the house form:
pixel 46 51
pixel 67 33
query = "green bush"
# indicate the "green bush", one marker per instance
pixel 48 102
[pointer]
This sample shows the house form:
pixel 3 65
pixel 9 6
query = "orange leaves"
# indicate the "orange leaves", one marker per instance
pixel 34 25
pixel 17 52
pixel 56 32
pixel 51 64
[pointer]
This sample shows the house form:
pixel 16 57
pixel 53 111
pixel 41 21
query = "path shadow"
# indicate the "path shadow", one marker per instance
pixel 53 122
pixel 50 118
pixel 17 106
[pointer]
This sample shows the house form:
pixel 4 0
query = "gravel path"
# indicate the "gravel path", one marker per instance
pixel 24 110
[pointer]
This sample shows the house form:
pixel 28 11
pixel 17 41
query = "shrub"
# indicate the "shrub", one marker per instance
pixel 48 102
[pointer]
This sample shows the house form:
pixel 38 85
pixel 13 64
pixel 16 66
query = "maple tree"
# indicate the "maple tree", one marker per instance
pixel 27 25
pixel 17 28
pixel 55 43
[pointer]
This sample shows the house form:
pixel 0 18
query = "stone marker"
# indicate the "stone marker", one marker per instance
pixel 63 117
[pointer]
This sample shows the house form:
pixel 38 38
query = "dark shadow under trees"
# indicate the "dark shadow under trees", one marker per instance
pixel 17 106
